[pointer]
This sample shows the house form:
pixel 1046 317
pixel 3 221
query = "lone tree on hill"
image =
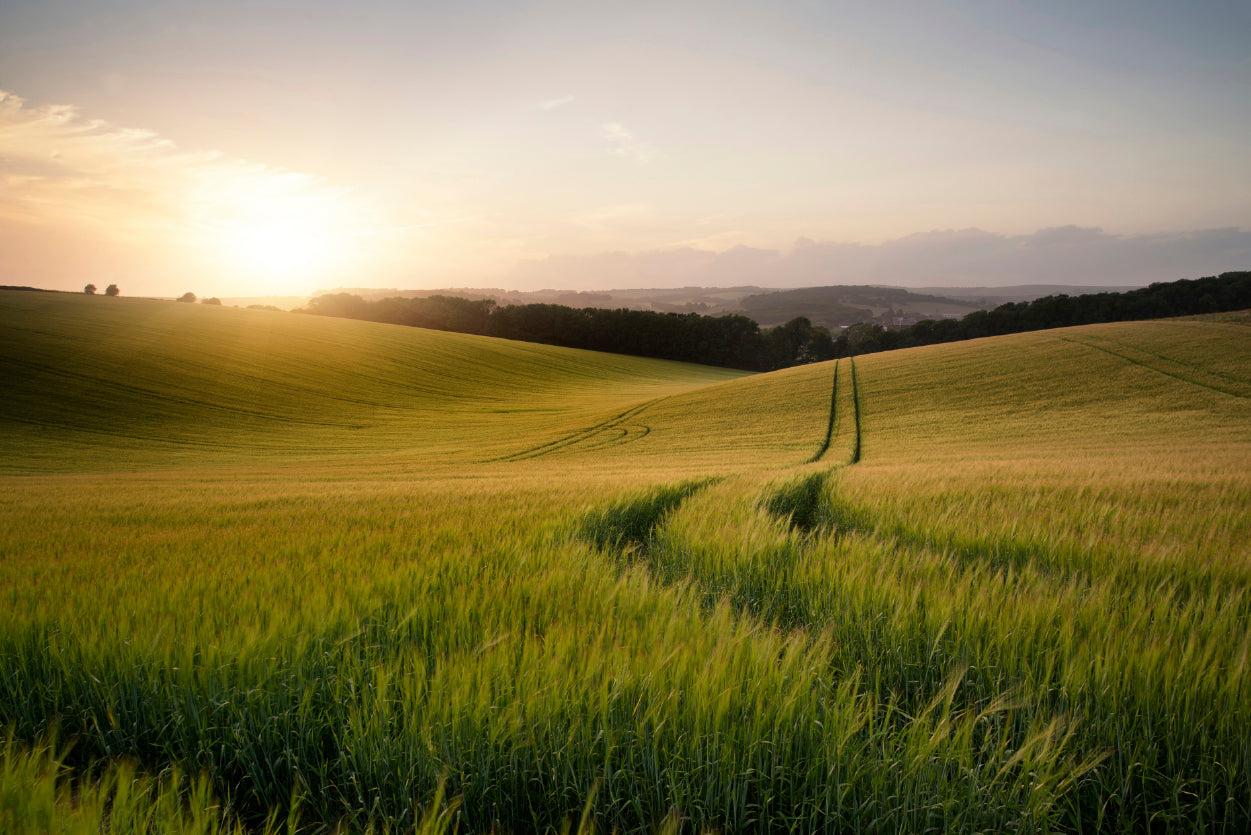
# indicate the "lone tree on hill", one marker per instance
pixel 188 297
pixel 112 290
pixel 90 289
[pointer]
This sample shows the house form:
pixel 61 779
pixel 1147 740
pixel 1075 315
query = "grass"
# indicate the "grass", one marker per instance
pixel 151 385
pixel 37 794
pixel 371 578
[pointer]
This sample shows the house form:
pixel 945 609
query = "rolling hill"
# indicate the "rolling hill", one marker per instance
pixel 989 585
pixel 151 381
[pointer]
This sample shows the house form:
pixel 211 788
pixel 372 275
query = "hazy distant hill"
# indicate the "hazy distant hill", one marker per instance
pixel 710 300
pixel 991 297
pixel 828 306
pixel 280 302
pixel 845 305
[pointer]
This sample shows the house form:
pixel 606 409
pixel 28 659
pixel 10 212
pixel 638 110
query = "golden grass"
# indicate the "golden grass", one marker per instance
pixel 346 562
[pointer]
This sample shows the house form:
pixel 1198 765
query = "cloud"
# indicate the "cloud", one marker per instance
pixel 552 104
pixel 955 257
pixel 1067 236
pixel 59 167
pixel 87 185
pixel 622 142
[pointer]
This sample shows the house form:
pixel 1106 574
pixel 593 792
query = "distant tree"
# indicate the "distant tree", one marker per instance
pixel 798 342
pixel 213 300
pixel 112 290
pixel 864 338
pixel 342 305
pixel 90 289
pixel 188 297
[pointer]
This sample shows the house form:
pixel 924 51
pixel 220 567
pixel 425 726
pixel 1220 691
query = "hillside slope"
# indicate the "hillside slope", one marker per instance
pixel 102 383
pixel 1142 389
pixel 1128 443
pixel 119 381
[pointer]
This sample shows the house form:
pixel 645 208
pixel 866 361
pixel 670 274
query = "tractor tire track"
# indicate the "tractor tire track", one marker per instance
pixel 829 429
pixel 624 434
pixel 834 430
pixel 1154 367
pixel 617 422
pixel 854 458
pixel 1238 382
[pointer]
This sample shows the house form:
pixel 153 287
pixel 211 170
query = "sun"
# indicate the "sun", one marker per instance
pixel 281 250
pixel 282 235
pixel 286 245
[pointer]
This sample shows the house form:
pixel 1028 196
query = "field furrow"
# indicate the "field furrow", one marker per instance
pixel 589 437
pixel 833 424
pixel 853 455
pixel 843 432
pixel 1160 364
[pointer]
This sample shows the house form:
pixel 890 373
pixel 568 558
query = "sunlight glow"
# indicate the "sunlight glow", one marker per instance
pixel 282 234
pixel 281 249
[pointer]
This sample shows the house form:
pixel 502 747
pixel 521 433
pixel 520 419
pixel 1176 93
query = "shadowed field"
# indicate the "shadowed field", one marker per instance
pixel 992 585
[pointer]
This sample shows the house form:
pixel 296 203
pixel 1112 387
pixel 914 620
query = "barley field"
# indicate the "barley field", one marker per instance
pixel 263 572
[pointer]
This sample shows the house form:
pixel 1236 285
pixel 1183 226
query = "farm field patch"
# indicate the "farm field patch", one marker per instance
pixel 385 573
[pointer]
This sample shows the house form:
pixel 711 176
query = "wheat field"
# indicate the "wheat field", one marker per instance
pixel 268 572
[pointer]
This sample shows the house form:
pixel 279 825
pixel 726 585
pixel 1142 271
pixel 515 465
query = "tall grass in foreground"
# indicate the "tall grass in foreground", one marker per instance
pixel 39 795
pixel 529 671
pixel 729 668
pixel 1150 678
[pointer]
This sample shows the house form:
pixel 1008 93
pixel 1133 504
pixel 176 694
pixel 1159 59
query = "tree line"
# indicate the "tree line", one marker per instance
pixel 1186 297
pixel 113 291
pixel 736 341
pixel 732 341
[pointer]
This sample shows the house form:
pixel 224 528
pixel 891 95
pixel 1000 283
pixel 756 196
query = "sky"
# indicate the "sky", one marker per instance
pixel 276 148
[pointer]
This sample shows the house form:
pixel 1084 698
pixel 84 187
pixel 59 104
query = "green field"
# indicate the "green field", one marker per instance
pixel 342 574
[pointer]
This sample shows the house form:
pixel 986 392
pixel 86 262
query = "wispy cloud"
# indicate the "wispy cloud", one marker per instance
pixel 622 142
pixel 76 183
pixel 59 167
pixel 552 104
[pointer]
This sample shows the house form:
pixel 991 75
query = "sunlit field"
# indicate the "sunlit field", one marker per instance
pixel 262 571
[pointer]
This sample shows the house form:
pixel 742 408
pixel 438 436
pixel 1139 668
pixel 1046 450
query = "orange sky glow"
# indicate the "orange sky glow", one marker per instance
pixel 265 149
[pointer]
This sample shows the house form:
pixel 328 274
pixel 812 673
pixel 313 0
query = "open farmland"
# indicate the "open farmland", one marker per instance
pixel 350 574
